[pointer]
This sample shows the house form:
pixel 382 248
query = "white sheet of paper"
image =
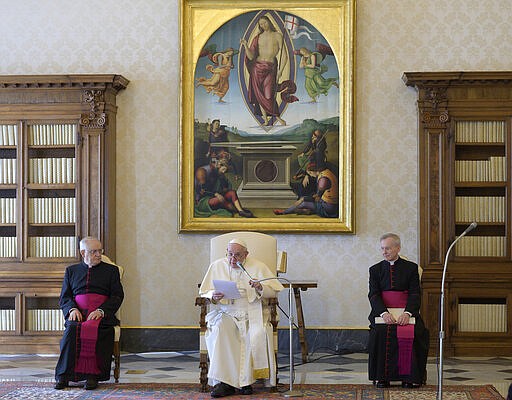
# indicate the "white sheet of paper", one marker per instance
pixel 228 288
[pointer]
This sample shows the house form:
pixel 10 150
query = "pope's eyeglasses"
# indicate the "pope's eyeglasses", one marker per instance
pixel 235 255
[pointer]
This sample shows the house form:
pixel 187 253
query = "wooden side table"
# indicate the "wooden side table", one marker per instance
pixel 297 287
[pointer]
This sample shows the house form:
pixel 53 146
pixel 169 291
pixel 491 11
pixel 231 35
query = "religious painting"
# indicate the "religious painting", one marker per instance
pixel 267 100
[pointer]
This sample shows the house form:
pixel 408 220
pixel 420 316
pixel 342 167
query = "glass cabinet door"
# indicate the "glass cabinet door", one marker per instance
pixel 9 180
pixel 481 187
pixel 44 163
pixel 52 190
pixel 43 314
pixel 7 313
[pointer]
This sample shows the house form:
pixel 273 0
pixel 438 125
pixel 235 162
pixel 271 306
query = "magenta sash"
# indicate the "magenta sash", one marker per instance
pixel 87 362
pixel 405 334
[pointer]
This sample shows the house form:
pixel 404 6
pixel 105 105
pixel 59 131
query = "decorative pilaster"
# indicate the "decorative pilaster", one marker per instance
pixel 433 109
pixel 96 117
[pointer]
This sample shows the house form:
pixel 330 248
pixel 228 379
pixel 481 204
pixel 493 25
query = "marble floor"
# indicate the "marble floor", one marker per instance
pixel 176 367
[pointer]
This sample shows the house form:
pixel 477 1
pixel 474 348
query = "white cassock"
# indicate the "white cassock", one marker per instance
pixel 239 335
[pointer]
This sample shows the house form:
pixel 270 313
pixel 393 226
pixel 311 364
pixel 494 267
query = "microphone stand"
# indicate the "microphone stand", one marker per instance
pixel 290 392
pixel 441 318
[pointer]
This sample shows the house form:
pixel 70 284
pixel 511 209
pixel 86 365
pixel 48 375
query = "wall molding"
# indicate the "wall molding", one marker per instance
pixel 325 340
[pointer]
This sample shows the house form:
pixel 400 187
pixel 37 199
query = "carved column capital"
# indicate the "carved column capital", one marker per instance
pixel 433 107
pixel 96 117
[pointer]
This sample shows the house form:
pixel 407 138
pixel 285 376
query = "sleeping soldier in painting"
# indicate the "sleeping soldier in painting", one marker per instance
pixel 324 202
pixel 214 194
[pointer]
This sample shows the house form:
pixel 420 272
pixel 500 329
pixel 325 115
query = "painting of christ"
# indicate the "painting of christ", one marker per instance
pixel 267 134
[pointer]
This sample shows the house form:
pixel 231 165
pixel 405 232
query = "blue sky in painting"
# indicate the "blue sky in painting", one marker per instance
pixel 234 111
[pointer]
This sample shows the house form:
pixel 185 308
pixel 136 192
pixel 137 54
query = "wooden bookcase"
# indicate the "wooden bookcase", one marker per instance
pixel 465 175
pixel 57 185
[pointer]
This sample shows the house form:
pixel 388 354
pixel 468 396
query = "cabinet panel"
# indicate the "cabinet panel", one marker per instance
pixel 482 315
pixel 429 312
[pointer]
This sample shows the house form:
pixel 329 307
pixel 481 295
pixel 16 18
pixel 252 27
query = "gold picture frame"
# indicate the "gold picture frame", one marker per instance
pixel 267 116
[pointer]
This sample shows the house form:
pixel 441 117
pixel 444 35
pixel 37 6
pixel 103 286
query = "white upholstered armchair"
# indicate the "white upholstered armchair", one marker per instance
pixel 264 248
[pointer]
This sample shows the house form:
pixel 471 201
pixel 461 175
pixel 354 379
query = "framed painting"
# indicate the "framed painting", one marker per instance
pixel 267 116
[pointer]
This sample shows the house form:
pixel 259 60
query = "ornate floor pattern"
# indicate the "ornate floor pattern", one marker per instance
pixel 190 391
pixel 182 367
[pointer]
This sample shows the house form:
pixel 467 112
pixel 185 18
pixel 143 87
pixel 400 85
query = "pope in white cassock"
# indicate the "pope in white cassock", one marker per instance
pixel 239 334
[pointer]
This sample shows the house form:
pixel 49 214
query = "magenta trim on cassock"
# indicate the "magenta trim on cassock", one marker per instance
pixel 405 334
pixel 87 362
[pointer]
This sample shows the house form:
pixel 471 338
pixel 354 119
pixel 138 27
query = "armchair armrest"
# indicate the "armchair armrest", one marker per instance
pixel 203 303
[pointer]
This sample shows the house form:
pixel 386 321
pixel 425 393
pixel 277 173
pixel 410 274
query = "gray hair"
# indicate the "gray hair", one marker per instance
pixel 85 240
pixel 394 236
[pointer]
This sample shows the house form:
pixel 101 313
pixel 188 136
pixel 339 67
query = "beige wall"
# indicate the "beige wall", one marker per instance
pixel 139 39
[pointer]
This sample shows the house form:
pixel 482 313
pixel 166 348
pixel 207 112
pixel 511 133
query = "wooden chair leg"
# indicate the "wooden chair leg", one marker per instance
pixel 203 356
pixel 117 361
pixel 203 376
pixel 273 303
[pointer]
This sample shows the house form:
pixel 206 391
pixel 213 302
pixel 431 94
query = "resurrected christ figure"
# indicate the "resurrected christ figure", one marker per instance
pixel 265 70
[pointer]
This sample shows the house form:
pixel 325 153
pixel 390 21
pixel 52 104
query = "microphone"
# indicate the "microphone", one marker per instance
pixel 469 228
pixel 239 265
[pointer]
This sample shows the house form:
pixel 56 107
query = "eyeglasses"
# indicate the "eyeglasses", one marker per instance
pixel 235 255
pixel 97 251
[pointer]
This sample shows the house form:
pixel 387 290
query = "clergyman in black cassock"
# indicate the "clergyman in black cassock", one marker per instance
pixel 90 297
pixel 389 358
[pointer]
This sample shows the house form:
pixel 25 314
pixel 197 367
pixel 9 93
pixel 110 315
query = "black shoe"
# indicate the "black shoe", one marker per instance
pixel 222 390
pixel 246 390
pixel 245 213
pixel 383 384
pixel 91 384
pixel 410 385
pixel 61 384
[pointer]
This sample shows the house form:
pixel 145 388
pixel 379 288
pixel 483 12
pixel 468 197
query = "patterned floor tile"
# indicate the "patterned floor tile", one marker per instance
pixel 338 370
pixel 459 379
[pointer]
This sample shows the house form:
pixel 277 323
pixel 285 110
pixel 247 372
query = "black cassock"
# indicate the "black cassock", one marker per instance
pixel 79 279
pixel 383 343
